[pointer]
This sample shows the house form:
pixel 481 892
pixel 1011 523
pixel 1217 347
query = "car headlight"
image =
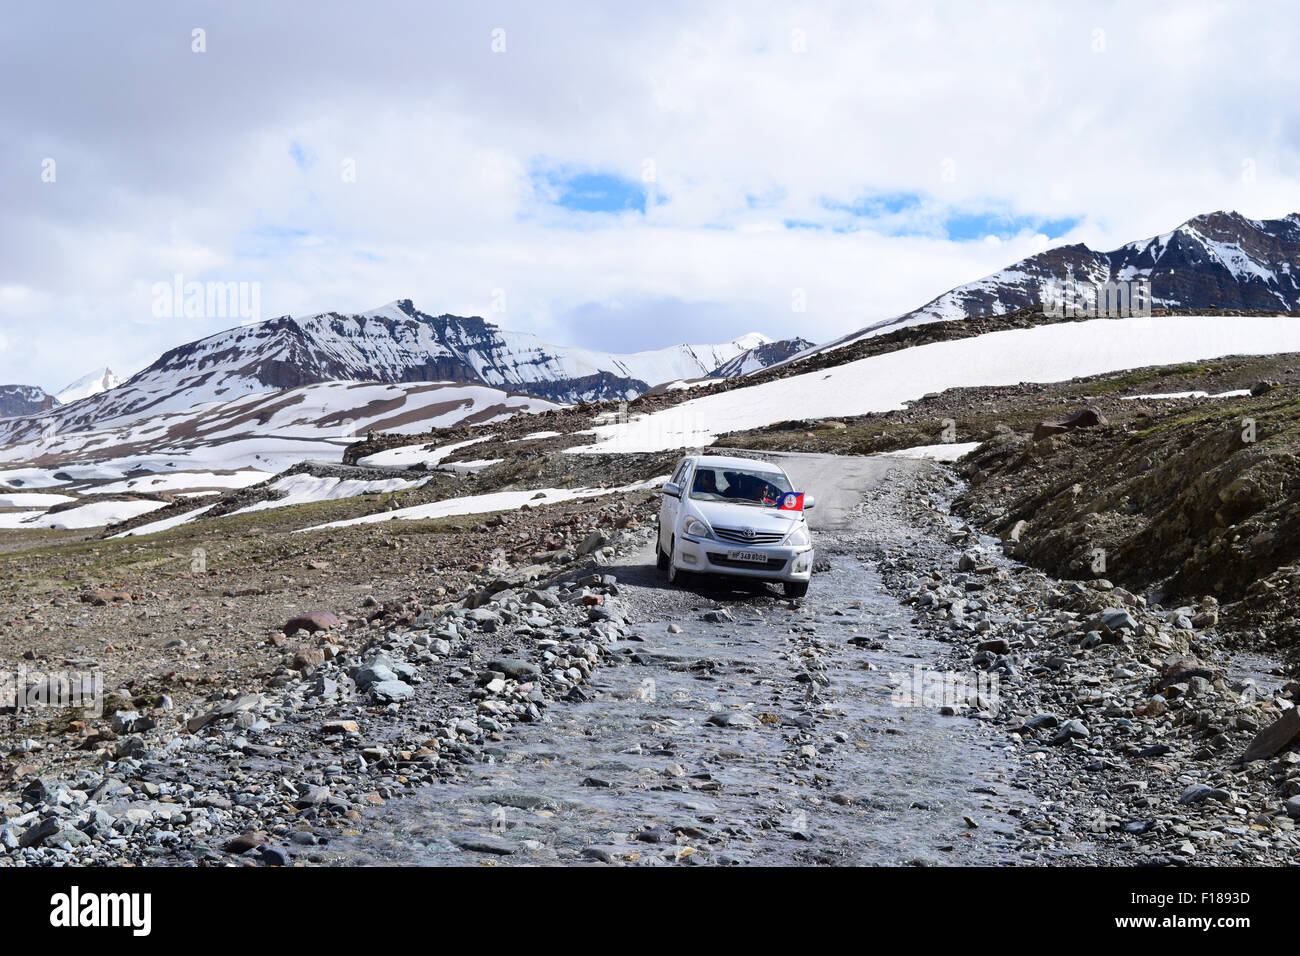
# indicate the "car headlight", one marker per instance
pixel 697 528
pixel 799 538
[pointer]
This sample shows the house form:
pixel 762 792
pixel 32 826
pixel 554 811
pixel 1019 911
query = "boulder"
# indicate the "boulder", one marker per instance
pixel 313 622
pixel 1088 417
pixel 1276 737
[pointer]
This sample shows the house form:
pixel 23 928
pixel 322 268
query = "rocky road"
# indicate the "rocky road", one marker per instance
pixel 931 701
pixel 736 728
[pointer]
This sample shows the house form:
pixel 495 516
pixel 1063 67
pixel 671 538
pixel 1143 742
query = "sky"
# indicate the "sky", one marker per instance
pixel 622 176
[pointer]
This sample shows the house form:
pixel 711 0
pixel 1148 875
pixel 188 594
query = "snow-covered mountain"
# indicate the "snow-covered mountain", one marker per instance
pixel 395 343
pixel 24 400
pixel 268 432
pixel 92 384
pixel 1220 260
pixel 885 382
pixel 760 357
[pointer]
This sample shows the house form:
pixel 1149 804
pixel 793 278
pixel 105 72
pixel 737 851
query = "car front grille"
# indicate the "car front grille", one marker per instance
pixel 737 536
pixel 771 564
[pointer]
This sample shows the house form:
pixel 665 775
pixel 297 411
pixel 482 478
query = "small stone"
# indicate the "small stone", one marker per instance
pixel 1199 792
pixel 245 842
pixel 732 718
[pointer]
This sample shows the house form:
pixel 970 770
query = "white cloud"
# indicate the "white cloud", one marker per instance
pixel 174 162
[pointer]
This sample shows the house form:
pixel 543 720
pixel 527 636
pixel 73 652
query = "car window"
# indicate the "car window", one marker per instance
pixel 740 485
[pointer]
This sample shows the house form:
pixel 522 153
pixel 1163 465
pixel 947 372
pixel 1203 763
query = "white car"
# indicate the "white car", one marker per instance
pixel 721 516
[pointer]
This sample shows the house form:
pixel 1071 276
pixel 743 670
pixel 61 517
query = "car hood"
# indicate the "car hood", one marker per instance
pixel 728 515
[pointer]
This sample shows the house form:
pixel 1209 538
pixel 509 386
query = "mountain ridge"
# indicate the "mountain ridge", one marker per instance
pixel 1215 260
pixel 396 344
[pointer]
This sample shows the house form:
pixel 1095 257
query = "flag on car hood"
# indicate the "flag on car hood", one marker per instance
pixel 790 501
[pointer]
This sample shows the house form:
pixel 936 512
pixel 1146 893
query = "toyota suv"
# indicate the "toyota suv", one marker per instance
pixel 738 517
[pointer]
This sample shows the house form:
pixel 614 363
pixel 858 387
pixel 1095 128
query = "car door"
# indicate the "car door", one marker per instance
pixel 668 506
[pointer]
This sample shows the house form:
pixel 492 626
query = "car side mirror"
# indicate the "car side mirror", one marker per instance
pixel 809 502
pixel 672 489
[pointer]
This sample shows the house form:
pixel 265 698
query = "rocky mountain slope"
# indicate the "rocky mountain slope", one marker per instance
pixel 18 400
pixel 1220 260
pixel 268 431
pixel 761 357
pixel 394 344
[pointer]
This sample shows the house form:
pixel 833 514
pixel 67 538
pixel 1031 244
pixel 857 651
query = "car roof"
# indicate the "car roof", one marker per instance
pixel 723 461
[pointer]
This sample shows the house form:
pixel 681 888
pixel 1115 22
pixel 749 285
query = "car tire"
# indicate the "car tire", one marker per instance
pixel 795 589
pixel 661 559
pixel 675 574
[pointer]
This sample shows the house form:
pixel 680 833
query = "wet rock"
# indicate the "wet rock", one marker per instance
pixel 476 843
pixel 274 856
pixel 733 718
pixel 245 842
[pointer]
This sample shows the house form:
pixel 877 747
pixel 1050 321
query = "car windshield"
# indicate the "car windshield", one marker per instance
pixel 741 485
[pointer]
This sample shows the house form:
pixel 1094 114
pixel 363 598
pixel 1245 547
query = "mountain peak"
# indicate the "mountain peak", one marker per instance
pixel 100 380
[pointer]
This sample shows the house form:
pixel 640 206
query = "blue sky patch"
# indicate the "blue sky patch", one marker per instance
pixel 873 207
pixel 304 157
pixel 586 191
pixel 980 225
pixel 915 214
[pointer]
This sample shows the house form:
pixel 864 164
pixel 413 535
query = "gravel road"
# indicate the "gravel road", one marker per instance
pixel 739 728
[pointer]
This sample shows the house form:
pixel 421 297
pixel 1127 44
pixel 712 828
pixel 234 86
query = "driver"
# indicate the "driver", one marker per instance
pixel 706 482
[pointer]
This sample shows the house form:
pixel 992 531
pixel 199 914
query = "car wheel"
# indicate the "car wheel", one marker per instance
pixel 795 589
pixel 675 575
pixel 661 559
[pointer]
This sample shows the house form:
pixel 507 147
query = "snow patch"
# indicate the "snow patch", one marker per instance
pixel 882 383
pixel 485 504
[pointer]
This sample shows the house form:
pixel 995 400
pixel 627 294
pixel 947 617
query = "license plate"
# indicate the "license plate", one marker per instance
pixel 757 557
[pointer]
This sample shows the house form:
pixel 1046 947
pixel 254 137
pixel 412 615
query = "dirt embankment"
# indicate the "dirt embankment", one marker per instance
pixel 1196 502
